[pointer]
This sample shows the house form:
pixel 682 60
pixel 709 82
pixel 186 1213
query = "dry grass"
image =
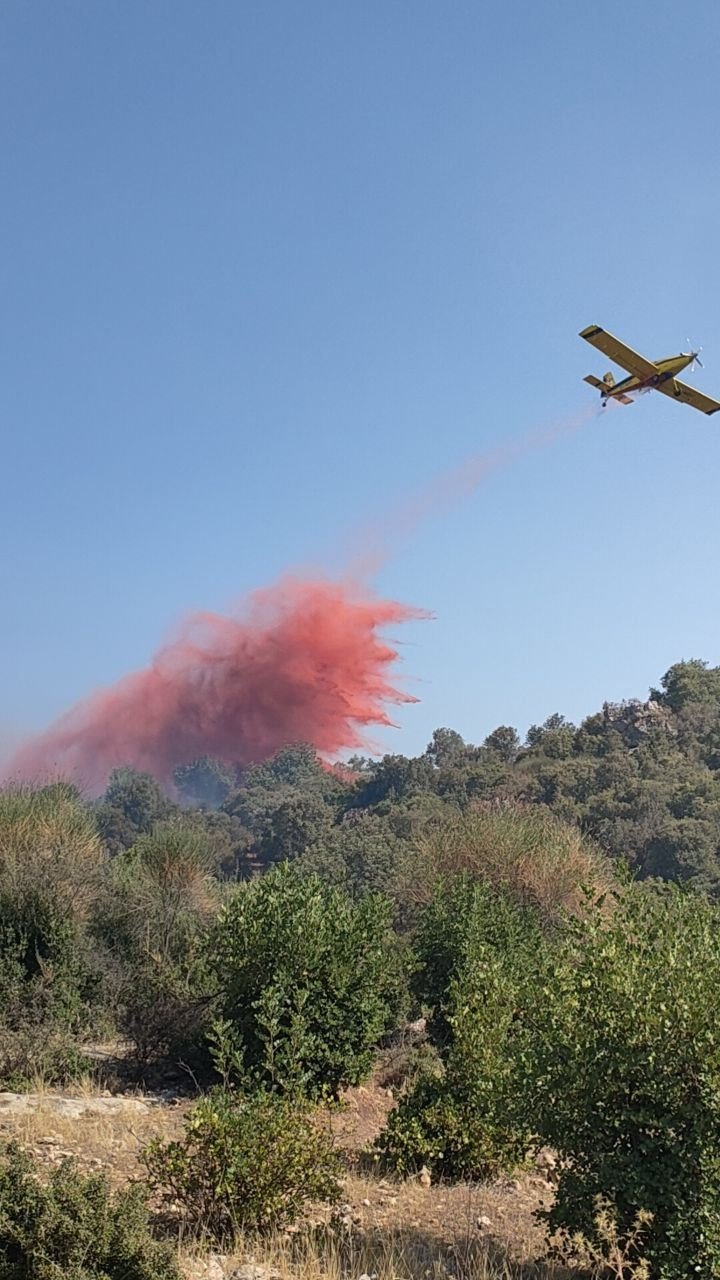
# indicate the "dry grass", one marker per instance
pixel 387 1229
pixel 99 1137
pixel 394 1254
pixel 524 850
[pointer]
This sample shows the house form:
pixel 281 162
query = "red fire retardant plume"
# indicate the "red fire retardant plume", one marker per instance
pixel 305 663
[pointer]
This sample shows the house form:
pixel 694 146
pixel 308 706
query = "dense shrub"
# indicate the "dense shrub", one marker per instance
pixel 158 903
pixel 456 1120
pixel 245 1162
pixel 50 865
pixel 33 1051
pixel 362 854
pixel 466 921
pixel 477 954
pixel 73 1226
pixel 307 978
pixel 623 1072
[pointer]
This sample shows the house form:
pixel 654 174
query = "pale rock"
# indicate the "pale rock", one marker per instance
pixel 546 1159
pixel 214 1270
pixel 254 1271
pixel 72 1108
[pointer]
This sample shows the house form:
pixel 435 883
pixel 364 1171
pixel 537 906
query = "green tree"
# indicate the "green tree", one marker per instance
pixel 205 782
pixel 555 737
pixel 363 854
pixel 133 802
pixel 503 742
pixel 395 777
pixel 686 682
pixel 446 748
pixel 287 803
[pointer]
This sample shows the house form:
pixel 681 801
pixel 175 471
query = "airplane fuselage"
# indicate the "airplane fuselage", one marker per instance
pixel 642 374
pixel 667 369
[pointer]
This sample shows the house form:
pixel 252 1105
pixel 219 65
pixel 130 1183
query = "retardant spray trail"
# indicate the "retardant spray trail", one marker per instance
pixel 374 544
pixel 303 663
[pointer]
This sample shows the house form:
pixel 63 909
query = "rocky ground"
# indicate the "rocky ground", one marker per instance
pixel 425 1227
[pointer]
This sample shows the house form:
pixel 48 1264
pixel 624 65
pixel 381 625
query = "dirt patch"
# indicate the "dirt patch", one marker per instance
pixel 108 1134
pixel 500 1214
pixel 361 1117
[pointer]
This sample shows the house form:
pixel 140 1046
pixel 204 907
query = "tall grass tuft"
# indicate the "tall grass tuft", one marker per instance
pixel 48 839
pixel 524 851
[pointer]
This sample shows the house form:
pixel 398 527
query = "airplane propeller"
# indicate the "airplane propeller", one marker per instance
pixel 695 356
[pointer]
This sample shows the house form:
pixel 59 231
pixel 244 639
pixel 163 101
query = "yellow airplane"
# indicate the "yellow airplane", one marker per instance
pixel 645 375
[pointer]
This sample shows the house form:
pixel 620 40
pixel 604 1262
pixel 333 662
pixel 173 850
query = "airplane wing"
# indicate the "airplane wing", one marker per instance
pixel 688 395
pixel 617 351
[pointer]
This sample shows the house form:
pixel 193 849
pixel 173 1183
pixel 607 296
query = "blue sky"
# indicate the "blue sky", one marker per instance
pixel 268 267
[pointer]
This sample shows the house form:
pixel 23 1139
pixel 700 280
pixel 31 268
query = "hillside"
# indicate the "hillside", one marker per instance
pixel 403 1017
pixel 641 778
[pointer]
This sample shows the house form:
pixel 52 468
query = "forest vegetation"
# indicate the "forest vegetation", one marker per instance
pixel 531 927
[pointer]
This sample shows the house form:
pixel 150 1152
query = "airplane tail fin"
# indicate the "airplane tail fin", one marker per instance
pixel 605 385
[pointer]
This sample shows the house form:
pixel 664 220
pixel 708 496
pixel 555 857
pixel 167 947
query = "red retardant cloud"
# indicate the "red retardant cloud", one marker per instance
pixel 305 663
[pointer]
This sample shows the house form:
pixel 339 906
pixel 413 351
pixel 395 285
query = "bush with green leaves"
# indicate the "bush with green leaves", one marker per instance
pixel 477 958
pixel 466 920
pixel 73 1226
pixel 362 854
pixel 622 1076
pixel 245 1162
pixel 309 981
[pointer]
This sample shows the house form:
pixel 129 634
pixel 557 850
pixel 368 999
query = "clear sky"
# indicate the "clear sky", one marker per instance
pixel 267 267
